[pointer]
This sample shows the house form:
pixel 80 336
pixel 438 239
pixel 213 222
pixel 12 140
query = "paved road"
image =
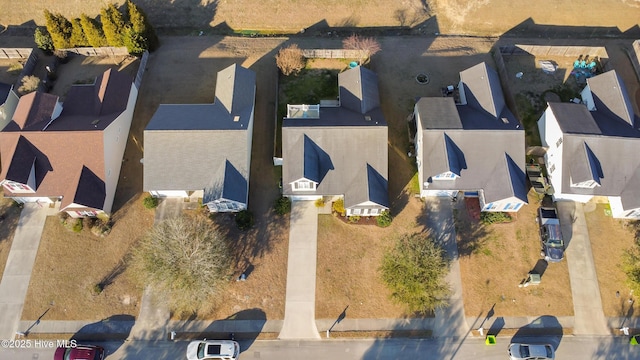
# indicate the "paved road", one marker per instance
pixel 568 348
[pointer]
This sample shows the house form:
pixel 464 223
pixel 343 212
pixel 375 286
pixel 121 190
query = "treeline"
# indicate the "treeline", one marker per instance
pixel 128 28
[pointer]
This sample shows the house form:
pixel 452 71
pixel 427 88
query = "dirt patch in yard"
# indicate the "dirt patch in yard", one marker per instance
pixel 69 265
pixel 9 217
pixel 494 259
pixel 610 238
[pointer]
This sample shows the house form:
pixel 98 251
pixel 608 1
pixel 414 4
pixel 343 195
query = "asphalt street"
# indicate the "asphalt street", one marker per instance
pixel 568 348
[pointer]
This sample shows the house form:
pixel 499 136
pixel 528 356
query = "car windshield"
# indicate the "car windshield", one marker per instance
pixel 555 243
pixel 97 355
pixel 67 354
pixel 201 348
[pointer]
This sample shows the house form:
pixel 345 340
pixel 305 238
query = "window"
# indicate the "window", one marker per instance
pixel 304 185
pixel 445 176
pixel 518 206
pixel 14 186
pixel 357 211
pixel 374 211
pixel 559 142
pixel 491 206
pixel 86 213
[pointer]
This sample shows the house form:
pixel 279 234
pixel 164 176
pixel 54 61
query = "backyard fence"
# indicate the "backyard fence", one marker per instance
pixel 141 69
pixel 15 53
pixel 549 50
pixel 502 74
pixel 99 51
pixel 333 54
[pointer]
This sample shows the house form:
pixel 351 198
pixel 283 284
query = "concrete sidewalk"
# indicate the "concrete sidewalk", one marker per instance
pixel 17 272
pixel 300 303
pixel 585 291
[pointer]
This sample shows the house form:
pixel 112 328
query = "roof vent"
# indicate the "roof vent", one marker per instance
pixel 95 122
pixel 367 118
pixel 505 120
pixel 236 118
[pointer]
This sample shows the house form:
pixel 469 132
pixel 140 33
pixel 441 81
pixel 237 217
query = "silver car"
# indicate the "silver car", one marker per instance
pixel 213 350
pixel 519 351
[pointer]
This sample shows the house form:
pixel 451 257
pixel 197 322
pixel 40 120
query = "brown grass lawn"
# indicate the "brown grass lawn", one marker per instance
pixel 9 215
pixel 348 260
pixel 69 265
pixel 501 255
pixel 262 253
pixel 610 238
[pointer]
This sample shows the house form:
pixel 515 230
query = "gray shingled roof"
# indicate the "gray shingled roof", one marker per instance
pixel 204 146
pixel 345 149
pixel 482 89
pixel 358 90
pixel 485 156
pixel 481 141
pixel 610 96
pixel 601 145
pixel 350 149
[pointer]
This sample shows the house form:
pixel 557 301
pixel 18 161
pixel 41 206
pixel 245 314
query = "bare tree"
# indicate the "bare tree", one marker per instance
pixel 30 83
pixel 187 259
pixel 290 60
pixel 367 46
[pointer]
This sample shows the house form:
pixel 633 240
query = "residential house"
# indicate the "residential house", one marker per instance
pixel 69 151
pixel 592 146
pixel 8 103
pixel 471 142
pixel 339 148
pixel 203 151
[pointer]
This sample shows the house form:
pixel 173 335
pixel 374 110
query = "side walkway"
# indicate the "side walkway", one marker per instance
pixel 587 304
pixel 300 303
pixel 17 272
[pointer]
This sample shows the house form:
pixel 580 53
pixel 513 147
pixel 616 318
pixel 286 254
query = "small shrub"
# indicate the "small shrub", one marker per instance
pixel 150 202
pixel 490 217
pixel 97 288
pixel 290 60
pixel 282 205
pixel 384 219
pixel 43 41
pixel 319 203
pixel 63 216
pixel 354 219
pixel 338 206
pixel 77 225
pixel 244 220
pixel 88 222
pixel 30 83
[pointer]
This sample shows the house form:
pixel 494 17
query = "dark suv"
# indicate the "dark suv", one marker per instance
pixel 550 234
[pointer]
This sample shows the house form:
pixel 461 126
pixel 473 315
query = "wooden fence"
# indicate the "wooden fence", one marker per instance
pixel 141 69
pixel 548 50
pixel 333 54
pixel 15 53
pixel 101 51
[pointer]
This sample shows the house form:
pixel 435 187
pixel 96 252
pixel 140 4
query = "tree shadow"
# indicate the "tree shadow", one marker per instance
pixel 9 218
pixel 545 329
pixel 244 326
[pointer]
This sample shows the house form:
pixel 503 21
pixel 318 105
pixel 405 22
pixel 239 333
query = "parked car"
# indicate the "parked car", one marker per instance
pixel 213 350
pixel 550 234
pixel 79 352
pixel 518 351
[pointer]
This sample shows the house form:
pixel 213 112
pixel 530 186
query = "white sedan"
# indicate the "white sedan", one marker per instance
pixel 519 351
pixel 213 350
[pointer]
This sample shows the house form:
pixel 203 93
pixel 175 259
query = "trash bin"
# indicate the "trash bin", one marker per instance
pixel 490 340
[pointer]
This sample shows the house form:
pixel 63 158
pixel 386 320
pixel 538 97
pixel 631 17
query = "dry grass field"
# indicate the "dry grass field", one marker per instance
pixel 9 217
pixel 481 17
pixel 498 257
pixel 69 265
pixel 610 238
